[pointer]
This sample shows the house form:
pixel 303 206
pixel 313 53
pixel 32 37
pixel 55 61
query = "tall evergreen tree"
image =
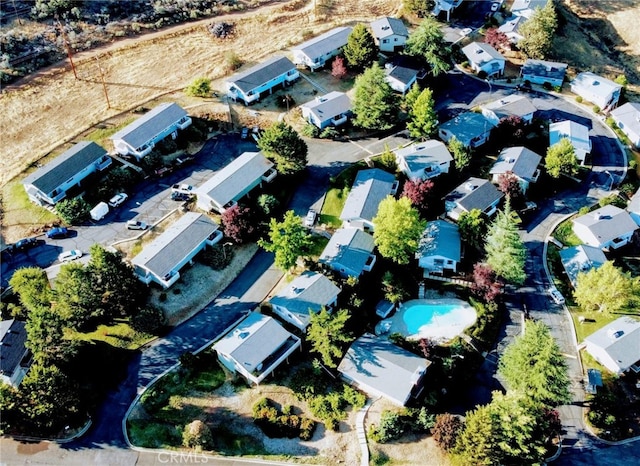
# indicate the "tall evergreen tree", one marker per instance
pixel 504 248
pixel 461 154
pixel 327 335
pixel 361 50
pixel 374 103
pixel 561 159
pixel 538 32
pixel 427 42
pixel 282 144
pixel 423 120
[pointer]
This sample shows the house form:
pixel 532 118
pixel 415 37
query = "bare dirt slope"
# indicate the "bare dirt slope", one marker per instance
pixel 53 107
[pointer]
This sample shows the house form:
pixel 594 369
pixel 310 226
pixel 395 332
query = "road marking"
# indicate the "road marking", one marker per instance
pixel 361 147
pixel 570 356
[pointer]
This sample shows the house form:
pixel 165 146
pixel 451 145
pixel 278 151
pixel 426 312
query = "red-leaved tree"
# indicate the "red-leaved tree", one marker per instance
pixel 497 39
pixel 338 68
pixel 419 193
pixel 509 184
pixel 446 430
pixel 510 129
pixel 485 282
pixel 238 224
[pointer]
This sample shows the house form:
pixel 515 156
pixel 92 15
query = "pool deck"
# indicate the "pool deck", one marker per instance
pixel 435 331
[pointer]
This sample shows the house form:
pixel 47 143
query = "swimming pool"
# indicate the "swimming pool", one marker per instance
pixel 438 319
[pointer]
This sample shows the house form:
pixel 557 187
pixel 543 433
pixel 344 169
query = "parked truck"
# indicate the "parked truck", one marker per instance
pixel 99 211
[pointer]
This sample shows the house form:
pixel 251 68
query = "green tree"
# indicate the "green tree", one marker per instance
pixel 361 50
pixel 420 8
pixel 282 144
pixel 398 228
pixel 477 443
pixel 288 240
pixel 200 87
pixel 427 42
pixel 73 211
pixel 461 154
pixel 473 226
pixel 327 335
pixel 374 103
pixel 538 32
pixel 607 289
pixel 505 250
pixel 561 158
pixel 423 120
pixel 32 287
pixel 411 97
pixel 10 403
pixel 197 435
pixel 388 160
pixel 534 367
pixel 76 299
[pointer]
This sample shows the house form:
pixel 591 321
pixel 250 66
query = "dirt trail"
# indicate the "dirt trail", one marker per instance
pixel 52 107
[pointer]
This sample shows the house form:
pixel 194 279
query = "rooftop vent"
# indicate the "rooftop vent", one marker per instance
pixel 614 334
pixel 384 28
pixel 469 186
pixel 240 334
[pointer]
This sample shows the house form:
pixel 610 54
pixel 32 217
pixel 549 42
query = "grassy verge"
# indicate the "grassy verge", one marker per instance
pixel 101 135
pixel 564 233
pixel 19 211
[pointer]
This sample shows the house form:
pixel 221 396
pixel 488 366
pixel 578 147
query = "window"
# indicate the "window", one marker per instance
pixel 385 41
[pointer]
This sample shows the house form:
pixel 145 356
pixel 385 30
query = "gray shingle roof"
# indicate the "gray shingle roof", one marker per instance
pixel 440 238
pixel 233 179
pixel 13 337
pixel 481 53
pixel 581 258
pixel 607 223
pixel 383 366
pixel 329 105
pixel 521 161
pixel 150 124
pixel 309 291
pixel 517 105
pixel 325 43
pixel 629 115
pixel 186 234
pixel 576 133
pixel 634 203
pixel 370 187
pixel 475 193
pixel 403 74
pixel 348 247
pixel 544 69
pixel 620 339
pixel 423 154
pixel 385 27
pixel 66 165
pixel 467 126
pixel 261 73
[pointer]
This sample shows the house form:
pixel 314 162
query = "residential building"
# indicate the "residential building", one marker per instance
pixel 390 34
pixel 332 109
pixel 598 90
pixel 616 345
pixel 424 160
pixel 15 358
pixel 370 187
pixel 577 134
pixel 526 8
pixel 627 117
pixel 507 106
pixel 140 137
pixel 315 52
pixel 255 347
pixel 541 71
pixel 483 57
pixel 381 369
pixel 521 162
pixel 252 84
pixel 511 29
pixel 161 260
pixel 307 293
pixel 349 252
pixel 633 207
pixel 470 128
pixel 234 181
pixel 50 183
pixel 475 193
pixel 581 259
pixel 400 78
pixel 447 6
pixel 439 249
pixel 608 227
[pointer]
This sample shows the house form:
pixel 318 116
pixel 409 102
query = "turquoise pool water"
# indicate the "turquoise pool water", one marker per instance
pixel 438 319
pixel 419 315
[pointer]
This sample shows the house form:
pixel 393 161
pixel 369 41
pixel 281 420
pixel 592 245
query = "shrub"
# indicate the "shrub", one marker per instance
pixel 221 30
pixel 197 435
pixel 391 427
pixel 73 211
pixel 353 397
pixel 217 256
pixel 200 87
pixel 232 61
pixel 329 133
pixel 149 320
pixel 596 109
pixel 268 203
pixel 311 131
pixel 446 430
pixel 579 99
pixel 482 74
pixel 276 424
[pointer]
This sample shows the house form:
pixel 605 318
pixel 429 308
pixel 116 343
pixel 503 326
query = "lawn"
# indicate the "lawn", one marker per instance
pixel 20 211
pixel 336 196
pixel 564 233
pixel 101 135
pixel 119 335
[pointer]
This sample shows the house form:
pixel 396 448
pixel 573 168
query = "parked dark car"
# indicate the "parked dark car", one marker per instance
pixel 57 232
pixel 178 196
pixel 26 243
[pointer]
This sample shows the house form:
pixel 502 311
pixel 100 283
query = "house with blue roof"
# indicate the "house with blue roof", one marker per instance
pixel 234 181
pixel 627 117
pixel 315 52
pixel 475 193
pixel 332 109
pixel 370 187
pixel 140 137
pixel 439 249
pixel 520 162
pixel 50 183
pixel 161 260
pixel 424 160
pixel 577 134
pixel 542 71
pixel 616 345
pixel 252 84
pixel 470 128
pixel 349 252
pixel 307 293
pixel 483 57
pixel 598 90
pixel 256 347
pixel 390 34
pixel 581 259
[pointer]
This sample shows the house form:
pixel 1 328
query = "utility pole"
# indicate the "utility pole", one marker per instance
pixel 104 85
pixel 68 48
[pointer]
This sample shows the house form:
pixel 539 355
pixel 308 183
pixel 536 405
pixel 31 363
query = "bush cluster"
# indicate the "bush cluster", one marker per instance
pixel 221 30
pixel 278 424
pixel 394 424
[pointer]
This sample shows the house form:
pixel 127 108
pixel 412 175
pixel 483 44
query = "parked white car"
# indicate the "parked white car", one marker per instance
pixel 182 189
pixel 68 256
pixel 118 199
pixel 311 218
pixel 556 296
pixel 136 225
